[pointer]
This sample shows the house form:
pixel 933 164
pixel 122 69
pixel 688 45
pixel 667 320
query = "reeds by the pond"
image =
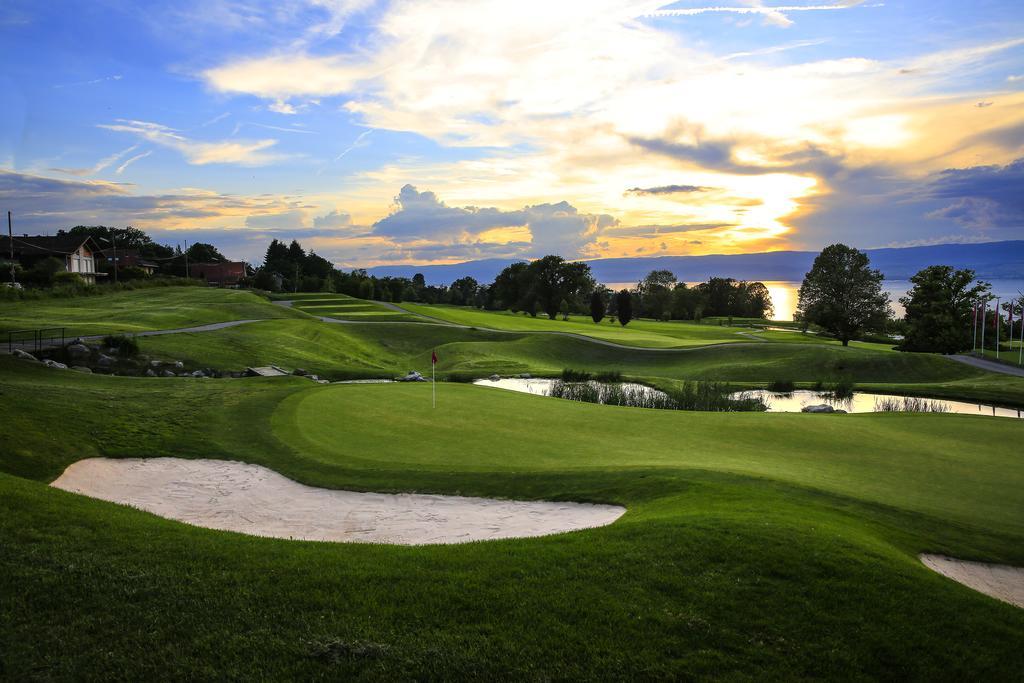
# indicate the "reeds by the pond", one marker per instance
pixel 708 396
pixel 909 404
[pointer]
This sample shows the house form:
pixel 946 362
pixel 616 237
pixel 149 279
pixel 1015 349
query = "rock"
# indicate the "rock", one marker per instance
pixel 81 368
pixel 105 361
pixel 322 381
pixel 412 376
pixel 178 365
pixel 77 350
pixel 150 373
pixel 494 378
pixel 820 408
pixel 199 373
pixel 315 378
pixel 526 375
pixel 78 340
pixel 54 364
pixel 24 355
pixel 155 363
pixel 167 373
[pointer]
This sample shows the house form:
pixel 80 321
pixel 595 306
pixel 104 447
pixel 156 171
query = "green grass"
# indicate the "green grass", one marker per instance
pixel 755 546
pixel 639 333
pixel 339 351
pixel 344 307
pixel 139 310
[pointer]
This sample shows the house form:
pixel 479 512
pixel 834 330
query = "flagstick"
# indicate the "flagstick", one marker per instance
pixel 974 327
pixel 984 321
pixel 433 383
pixel 997 328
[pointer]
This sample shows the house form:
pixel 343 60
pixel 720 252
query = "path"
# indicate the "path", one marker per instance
pixel 989 365
pixel 210 327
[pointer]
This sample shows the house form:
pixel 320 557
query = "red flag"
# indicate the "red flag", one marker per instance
pixel 433 357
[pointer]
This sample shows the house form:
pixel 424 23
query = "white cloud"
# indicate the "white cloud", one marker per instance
pixel 241 152
pixel 132 160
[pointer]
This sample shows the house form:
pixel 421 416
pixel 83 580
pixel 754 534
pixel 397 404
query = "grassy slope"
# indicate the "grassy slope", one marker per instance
pixel 804 569
pixel 640 333
pixel 344 307
pixel 346 351
pixel 139 310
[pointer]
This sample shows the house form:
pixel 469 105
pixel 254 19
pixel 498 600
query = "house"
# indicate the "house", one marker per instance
pixel 126 258
pixel 77 252
pixel 223 273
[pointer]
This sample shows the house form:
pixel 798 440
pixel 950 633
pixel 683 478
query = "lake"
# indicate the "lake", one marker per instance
pixel 786 293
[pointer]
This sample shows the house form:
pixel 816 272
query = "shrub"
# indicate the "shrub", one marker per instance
pixel 609 376
pixel 781 386
pixel 570 375
pixel 125 345
pixel 842 389
pixel 69 280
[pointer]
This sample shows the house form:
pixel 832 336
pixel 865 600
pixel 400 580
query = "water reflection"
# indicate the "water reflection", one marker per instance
pixel 863 402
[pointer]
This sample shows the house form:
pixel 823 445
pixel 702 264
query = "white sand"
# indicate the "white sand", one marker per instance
pixel 999 581
pixel 234 496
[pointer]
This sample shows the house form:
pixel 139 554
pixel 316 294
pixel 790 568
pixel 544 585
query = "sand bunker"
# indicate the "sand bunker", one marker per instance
pixel 996 580
pixel 234 496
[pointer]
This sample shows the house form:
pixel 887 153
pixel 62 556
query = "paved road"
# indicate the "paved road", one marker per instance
pixel 989 365
pixel 49 344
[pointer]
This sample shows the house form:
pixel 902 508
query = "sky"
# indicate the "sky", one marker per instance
pixel 439 131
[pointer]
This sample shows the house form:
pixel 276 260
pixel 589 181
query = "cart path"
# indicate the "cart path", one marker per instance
pixel 989 365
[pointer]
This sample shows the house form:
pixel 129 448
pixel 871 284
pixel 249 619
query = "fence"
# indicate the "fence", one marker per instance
pixel 35 340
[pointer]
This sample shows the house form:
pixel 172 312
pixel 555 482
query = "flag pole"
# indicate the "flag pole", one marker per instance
pixel 433 381
pixel 974 327
pixel 997 328
pixel 984 321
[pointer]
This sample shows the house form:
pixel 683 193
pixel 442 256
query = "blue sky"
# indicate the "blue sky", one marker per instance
pixel 388 132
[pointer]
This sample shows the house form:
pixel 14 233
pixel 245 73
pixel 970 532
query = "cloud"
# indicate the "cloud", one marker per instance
pixel 284 220
pixel 240 152
pixel 99 166
pixel 94 81
pixel 556 228
pixel 132 160
pixel 333 219
pixel 985 197
pixel 774 15
pixel 667 189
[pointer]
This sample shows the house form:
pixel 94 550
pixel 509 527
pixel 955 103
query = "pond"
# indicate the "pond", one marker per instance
pixel 796 401
pixel 542 386
pixel 863 402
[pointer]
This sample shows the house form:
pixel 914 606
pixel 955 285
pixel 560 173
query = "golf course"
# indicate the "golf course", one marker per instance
pixel 753 545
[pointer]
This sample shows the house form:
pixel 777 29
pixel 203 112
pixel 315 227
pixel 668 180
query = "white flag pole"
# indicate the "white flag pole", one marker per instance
pixel 433 382
pixel 997 328
pixel 974 327
pixel 984 314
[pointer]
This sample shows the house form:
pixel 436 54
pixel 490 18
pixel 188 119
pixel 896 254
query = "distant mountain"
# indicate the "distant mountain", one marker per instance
pixel 990 260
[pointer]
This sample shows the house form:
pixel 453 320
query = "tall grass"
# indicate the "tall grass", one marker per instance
pixel 707 396
pixel 909 404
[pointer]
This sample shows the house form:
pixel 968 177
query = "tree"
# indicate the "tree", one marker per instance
pixel 624 305
pixel 843 294
pixel 655 292
pixel 563 308
pixel 597 305
pixel 940 310
pixel 201 252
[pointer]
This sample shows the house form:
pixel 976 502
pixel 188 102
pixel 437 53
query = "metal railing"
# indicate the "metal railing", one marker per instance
pixel 35 340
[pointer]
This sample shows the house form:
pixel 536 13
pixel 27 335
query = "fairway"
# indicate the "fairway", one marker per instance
pixel 343 307
pixel 736 524
pixel 154 308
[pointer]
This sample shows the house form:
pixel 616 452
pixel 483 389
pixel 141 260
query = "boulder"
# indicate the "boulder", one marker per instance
pixel 155 363
pixel 820 408
pixel 54 364
pixel 167 373
pixel 77 350
pixel 526 375
pixel 412 376
pixel 150 373
pixel 178 365
pixel 199 373
pixel 105 361
pixel 494 378
pixel 81 368
pixel 24 355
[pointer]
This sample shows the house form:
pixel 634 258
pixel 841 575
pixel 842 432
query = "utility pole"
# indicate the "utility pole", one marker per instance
pixel 113 243
pixel 10 239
